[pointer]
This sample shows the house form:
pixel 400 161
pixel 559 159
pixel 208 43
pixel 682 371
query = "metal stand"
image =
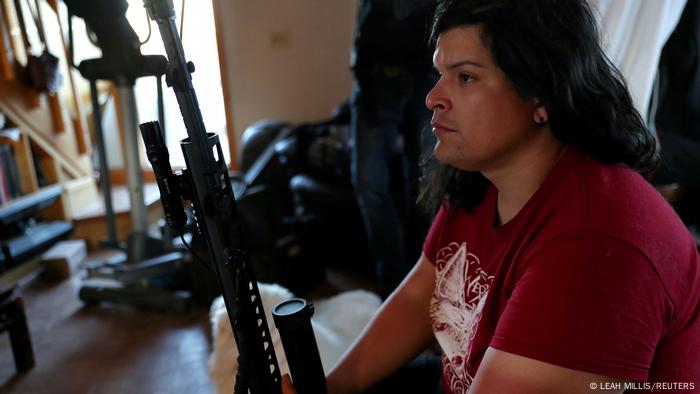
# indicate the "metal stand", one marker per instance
pixel 145 276
pixel 138 277
pixel 111 240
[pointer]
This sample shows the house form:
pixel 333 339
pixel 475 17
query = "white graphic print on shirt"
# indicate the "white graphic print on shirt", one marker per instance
pixel 461 289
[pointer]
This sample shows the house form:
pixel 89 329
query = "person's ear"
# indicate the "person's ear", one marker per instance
pixel 539 115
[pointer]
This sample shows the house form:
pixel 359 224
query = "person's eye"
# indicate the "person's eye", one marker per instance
pixel 466 78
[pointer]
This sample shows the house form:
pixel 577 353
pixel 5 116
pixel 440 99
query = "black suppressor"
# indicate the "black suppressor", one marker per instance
pixel 293 321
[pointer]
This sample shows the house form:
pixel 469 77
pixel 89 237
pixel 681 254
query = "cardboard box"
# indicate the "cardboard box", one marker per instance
pixel 63 259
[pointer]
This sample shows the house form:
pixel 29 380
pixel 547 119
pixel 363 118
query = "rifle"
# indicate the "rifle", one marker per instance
pixel 206 184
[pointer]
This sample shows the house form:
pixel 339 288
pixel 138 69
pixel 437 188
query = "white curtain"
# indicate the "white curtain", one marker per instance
pixel 633 35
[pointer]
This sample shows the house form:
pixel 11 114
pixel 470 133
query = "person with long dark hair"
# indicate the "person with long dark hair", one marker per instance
pixel 552 266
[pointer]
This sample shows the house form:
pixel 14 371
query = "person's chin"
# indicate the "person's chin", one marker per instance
pixel 450 158
pixel 443 155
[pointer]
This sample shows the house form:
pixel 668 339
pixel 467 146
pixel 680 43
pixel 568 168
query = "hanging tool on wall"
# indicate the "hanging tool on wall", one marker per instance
pixel 41 72
pixel 79 120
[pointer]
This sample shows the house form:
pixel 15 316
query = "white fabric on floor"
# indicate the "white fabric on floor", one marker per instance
pixel 337 321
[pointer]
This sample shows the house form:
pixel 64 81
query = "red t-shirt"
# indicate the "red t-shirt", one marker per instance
pixel 596 273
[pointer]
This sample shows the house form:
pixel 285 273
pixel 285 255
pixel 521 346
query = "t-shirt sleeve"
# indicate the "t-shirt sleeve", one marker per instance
pixel 430 245
pixel 588 302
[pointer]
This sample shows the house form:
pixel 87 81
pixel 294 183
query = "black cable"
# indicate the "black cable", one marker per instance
pixel 182 18
pixel 148 22
pixel 161 107
pixel 196 256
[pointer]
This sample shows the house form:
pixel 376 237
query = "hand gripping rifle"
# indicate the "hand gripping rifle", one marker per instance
pixel 205 182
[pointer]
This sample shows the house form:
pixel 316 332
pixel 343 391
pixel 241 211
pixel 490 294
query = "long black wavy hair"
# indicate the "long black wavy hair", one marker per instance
pixel 549 49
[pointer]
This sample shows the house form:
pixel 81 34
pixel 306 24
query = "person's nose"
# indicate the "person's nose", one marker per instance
pixel 437 100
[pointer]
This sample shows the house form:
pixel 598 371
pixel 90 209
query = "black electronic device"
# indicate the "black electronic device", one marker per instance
pixel 27 207
pixel 21 235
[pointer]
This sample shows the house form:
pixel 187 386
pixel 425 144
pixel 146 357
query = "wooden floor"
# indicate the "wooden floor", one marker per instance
pixel 117 349
pixel 106 350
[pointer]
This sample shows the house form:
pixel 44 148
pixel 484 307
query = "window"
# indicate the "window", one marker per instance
pixel 199 43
